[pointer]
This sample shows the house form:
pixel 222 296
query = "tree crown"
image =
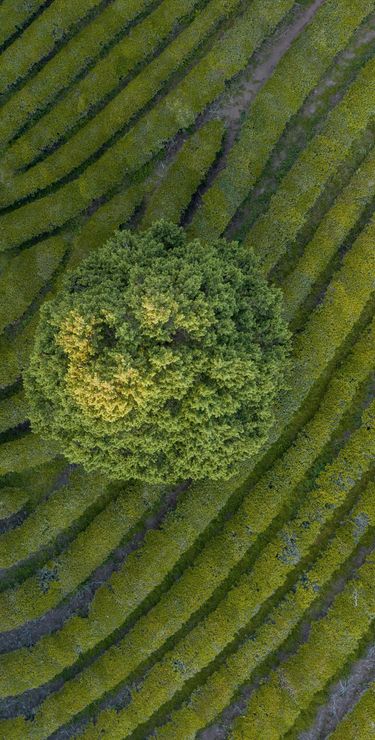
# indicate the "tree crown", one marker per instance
pixel 160 359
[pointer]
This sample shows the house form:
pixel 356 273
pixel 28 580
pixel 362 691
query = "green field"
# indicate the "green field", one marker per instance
pixel 243 610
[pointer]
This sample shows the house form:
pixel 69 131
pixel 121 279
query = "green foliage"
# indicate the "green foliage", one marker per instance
pixel 160 359
pixel 54 25
pixel 15 13
pixel 91 547
pixel 222 625
pixel 360 722
pixel 143 40
pixel 304 183
pixel 120 110
pixel 53 517
pixel 205 592
pixel 275 491
pixel 274 707
pixel 76 56
pixel 210 698
pixel 184 175
pixel 12 411
pixel 279 99
pixel 334 228
pixel 26 275
pixel 15 352
pixel 25 452
pixel 176 111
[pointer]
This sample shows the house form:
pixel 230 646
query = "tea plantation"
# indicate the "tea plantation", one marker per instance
pixel 245 609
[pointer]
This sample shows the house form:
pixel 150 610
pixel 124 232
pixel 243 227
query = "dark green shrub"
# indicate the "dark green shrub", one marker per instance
pixel 161 358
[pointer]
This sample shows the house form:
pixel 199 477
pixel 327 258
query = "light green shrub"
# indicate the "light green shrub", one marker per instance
pixel 274 707
pixel 280 98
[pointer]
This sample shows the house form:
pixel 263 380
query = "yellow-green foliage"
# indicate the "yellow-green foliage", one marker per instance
pixel 300 189
pixel 260 505
pixel 223 624
pixel 25 452
pixel 330 234
pixel 15 353
pixel 139 43
pixel 14 14
pixel 12 411
pixel 123 107
pixel 28 489
pixel 67 506
pixel 26 275
pixel 115 602
pixel 61 70
pixel 159 378
pixel 349 294
pixel 360 722
pixel 92 546
pixel 11 500
pixel 217 691
pixel 275 706
pixel 256 555
pixel 312 370
pixel 214 632
pixel 281 96
pixel 178 110
pixel 56 23
pixel 184 175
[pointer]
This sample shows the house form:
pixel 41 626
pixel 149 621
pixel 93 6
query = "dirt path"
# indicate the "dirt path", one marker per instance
pixel 343 697
pixel 79 603
pixel 306 124
pixel 18 517
pixel 219 730
pixel 53 620
pixel 234 103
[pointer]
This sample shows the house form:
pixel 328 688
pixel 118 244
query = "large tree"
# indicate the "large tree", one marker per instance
pixel 160 359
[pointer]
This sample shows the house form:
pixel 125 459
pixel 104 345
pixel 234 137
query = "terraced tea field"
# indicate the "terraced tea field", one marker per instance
pixel 243 610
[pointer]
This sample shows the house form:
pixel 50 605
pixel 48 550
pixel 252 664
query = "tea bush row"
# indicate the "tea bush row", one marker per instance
pixel 177 110
pixel 294 78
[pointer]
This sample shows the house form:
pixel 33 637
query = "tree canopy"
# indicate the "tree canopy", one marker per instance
pixel 160 359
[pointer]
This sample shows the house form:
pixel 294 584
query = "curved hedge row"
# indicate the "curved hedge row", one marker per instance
pixel 14 352
pixel 26 275
pixel 141 91
pixel 275 706
pixel 12 411
pixel 333 229
pixel 290 206
pixel 25 602
pixel 348 298
pixel 124 106
pixel 102 83
pixel 26 491
pixel 360 721
pixel 178 110
pixel 42 37
pixel 222 626
pixel 181 179
pixel 25 452
pixel 139 562
pixel 280 98
pixel 15 15
pixel 52 518
pixel 190 596
pixel 90 548
pixel 66 68
pixel 210 698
